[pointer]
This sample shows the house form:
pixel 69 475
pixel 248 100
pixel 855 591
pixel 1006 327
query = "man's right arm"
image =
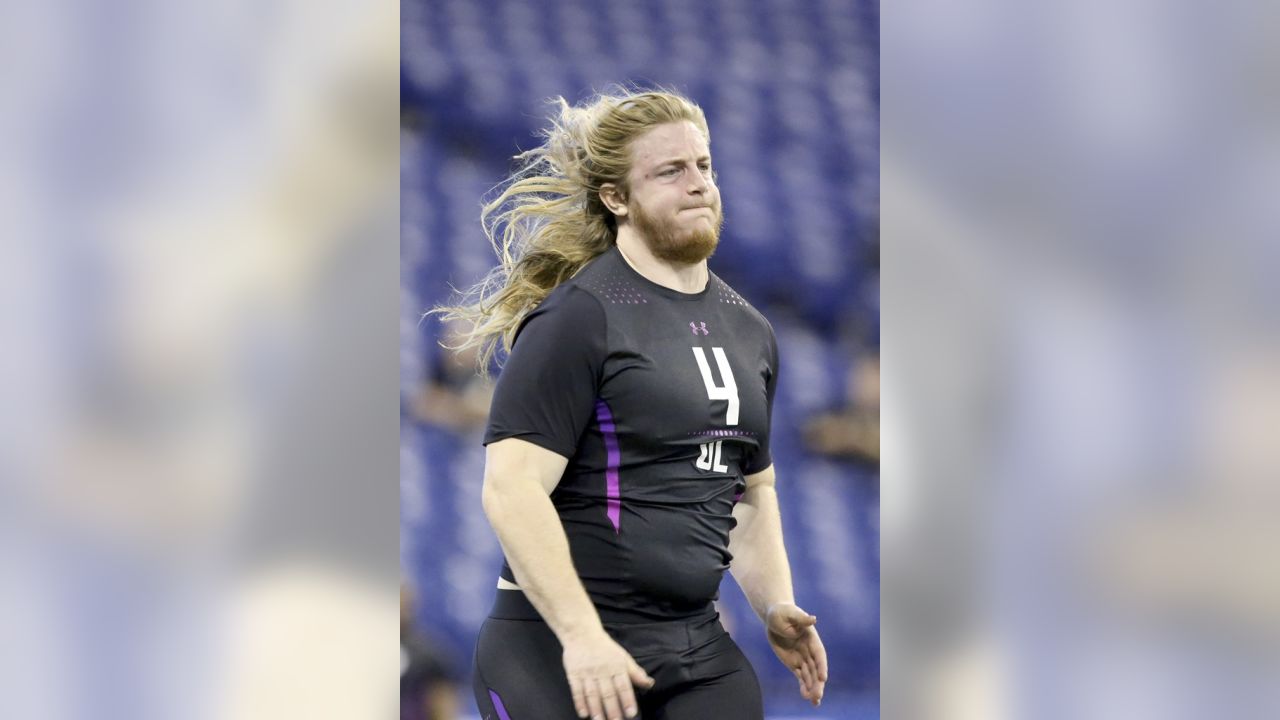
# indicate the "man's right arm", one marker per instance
pixel 518 479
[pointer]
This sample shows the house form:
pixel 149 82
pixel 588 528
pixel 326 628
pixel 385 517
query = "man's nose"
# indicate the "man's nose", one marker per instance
pixel 699 184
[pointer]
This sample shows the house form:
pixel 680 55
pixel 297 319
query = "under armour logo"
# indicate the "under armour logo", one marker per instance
pixel 694 328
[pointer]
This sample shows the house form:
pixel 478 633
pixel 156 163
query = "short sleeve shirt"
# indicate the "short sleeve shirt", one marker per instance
pixel 661 402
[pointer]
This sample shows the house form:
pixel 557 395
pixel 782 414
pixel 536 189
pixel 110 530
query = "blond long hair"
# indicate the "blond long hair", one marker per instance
pixel 547 221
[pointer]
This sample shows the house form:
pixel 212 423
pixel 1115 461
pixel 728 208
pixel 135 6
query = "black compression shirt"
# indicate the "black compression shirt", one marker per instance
pixel 661 401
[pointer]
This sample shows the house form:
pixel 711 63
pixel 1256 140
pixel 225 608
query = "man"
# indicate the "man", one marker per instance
pixel 628 441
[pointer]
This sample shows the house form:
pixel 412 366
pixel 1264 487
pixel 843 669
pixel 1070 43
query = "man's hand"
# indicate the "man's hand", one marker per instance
pixel 601 674
pixel 795 641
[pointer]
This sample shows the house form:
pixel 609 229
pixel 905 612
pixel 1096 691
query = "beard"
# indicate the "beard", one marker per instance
pixel 667 241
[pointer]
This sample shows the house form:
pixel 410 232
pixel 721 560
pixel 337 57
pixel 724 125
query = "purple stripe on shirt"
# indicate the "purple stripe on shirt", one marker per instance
pixel 497 705
pixel 614 500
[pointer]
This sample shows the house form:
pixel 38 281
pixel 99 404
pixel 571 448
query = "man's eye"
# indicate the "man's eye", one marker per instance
pixel 669 172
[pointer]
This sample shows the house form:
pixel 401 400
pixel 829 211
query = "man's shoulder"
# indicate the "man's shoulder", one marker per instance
pixel 723 293
pixel 613 284
pixel 570 299
pixel 585 284
pixel 601 266
pixel 568 305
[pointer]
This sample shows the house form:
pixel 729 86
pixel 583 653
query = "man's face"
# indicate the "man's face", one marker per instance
pixel 673 200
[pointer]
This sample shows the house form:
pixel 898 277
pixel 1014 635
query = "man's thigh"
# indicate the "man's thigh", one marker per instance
pixel 519 672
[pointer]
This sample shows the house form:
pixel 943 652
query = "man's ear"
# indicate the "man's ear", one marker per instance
pixel 611 196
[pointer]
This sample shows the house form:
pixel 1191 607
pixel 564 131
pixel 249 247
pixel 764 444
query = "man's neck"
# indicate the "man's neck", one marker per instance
pixel 676 276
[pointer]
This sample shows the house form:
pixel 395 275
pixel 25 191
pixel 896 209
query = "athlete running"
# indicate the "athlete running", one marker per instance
pixel 628 460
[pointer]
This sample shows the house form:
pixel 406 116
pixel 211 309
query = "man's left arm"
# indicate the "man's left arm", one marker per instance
pixel 760 566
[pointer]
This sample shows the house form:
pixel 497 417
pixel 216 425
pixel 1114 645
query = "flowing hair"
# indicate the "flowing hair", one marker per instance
pixel 547 220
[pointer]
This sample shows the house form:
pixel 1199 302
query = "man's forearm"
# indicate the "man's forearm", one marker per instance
pixel 759 558
pixel 533 539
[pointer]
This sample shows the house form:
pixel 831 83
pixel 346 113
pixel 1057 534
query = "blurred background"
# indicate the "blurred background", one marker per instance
pixel 198 387
pixel 1081 436
pixel 791 92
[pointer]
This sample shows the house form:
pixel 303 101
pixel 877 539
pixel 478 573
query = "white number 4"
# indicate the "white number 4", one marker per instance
pixel 729 391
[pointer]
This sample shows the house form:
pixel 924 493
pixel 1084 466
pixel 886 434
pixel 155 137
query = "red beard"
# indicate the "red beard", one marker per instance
pixel 669 242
